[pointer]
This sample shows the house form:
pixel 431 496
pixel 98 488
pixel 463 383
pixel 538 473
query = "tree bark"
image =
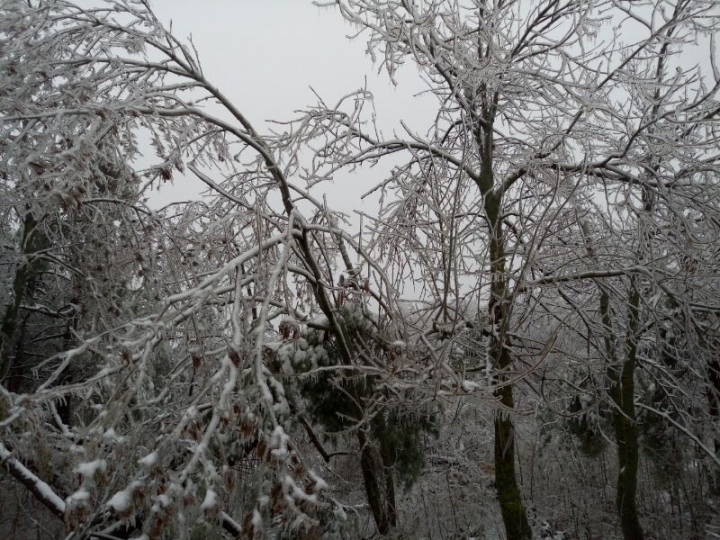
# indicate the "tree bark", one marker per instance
pixel 509 495
pixel 379 489
pixel 713 394
pixel 512 508
pixel 622 393
pixel 27 268
pixel 388 462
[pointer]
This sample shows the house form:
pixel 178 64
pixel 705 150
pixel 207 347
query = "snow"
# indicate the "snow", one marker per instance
pixel 286 352
pixel 256 519
pixel 163 501
pixel 42 488
pixel 135 485
pixel 149 460
pixel 320 484
pixel 89 469
pixel 300 494
pixel 279 440
pixel 47 492
pixel 547 531
pixel 320 320
pixel 210 500
pixel 339 513
pixel 111 435
pixel 469 386
pixel 282 408
pixel 81 495
pixel 273 346
pixel 120 502
pixel 227 520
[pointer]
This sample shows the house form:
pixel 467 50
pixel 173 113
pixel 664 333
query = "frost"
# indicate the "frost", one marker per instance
pixel 469 386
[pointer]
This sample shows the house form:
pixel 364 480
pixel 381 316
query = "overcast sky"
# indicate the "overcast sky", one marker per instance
pixel 265 55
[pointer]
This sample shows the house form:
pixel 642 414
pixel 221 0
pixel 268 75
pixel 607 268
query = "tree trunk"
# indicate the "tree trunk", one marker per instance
pixel 622 392
pixel 388 463
pixel 509 496
pixel 713 394
pixel 379 485
pixel 512 508
pixel 27 268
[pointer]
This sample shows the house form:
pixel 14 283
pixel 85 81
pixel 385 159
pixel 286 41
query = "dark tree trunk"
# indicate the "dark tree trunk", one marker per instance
pixel 512 508
pixel 379 485
pixel 622 393
pixel 27 268
pixel 509 496
pixel 387 453
pixel 713 393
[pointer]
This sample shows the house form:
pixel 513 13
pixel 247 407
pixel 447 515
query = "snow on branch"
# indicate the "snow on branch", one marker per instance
pixel 41 490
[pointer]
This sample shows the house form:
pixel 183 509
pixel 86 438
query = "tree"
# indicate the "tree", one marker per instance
pixel 528 124
pixel 211 280
pixel 542 230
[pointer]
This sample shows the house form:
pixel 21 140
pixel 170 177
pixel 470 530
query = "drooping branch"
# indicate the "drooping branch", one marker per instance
pixel 40 489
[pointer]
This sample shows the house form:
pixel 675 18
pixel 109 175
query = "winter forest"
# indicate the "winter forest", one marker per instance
pixel 519 339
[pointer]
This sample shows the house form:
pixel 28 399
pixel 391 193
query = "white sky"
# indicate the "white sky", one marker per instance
pixel 265 55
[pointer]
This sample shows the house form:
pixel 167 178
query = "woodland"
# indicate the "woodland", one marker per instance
pixel 520 342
